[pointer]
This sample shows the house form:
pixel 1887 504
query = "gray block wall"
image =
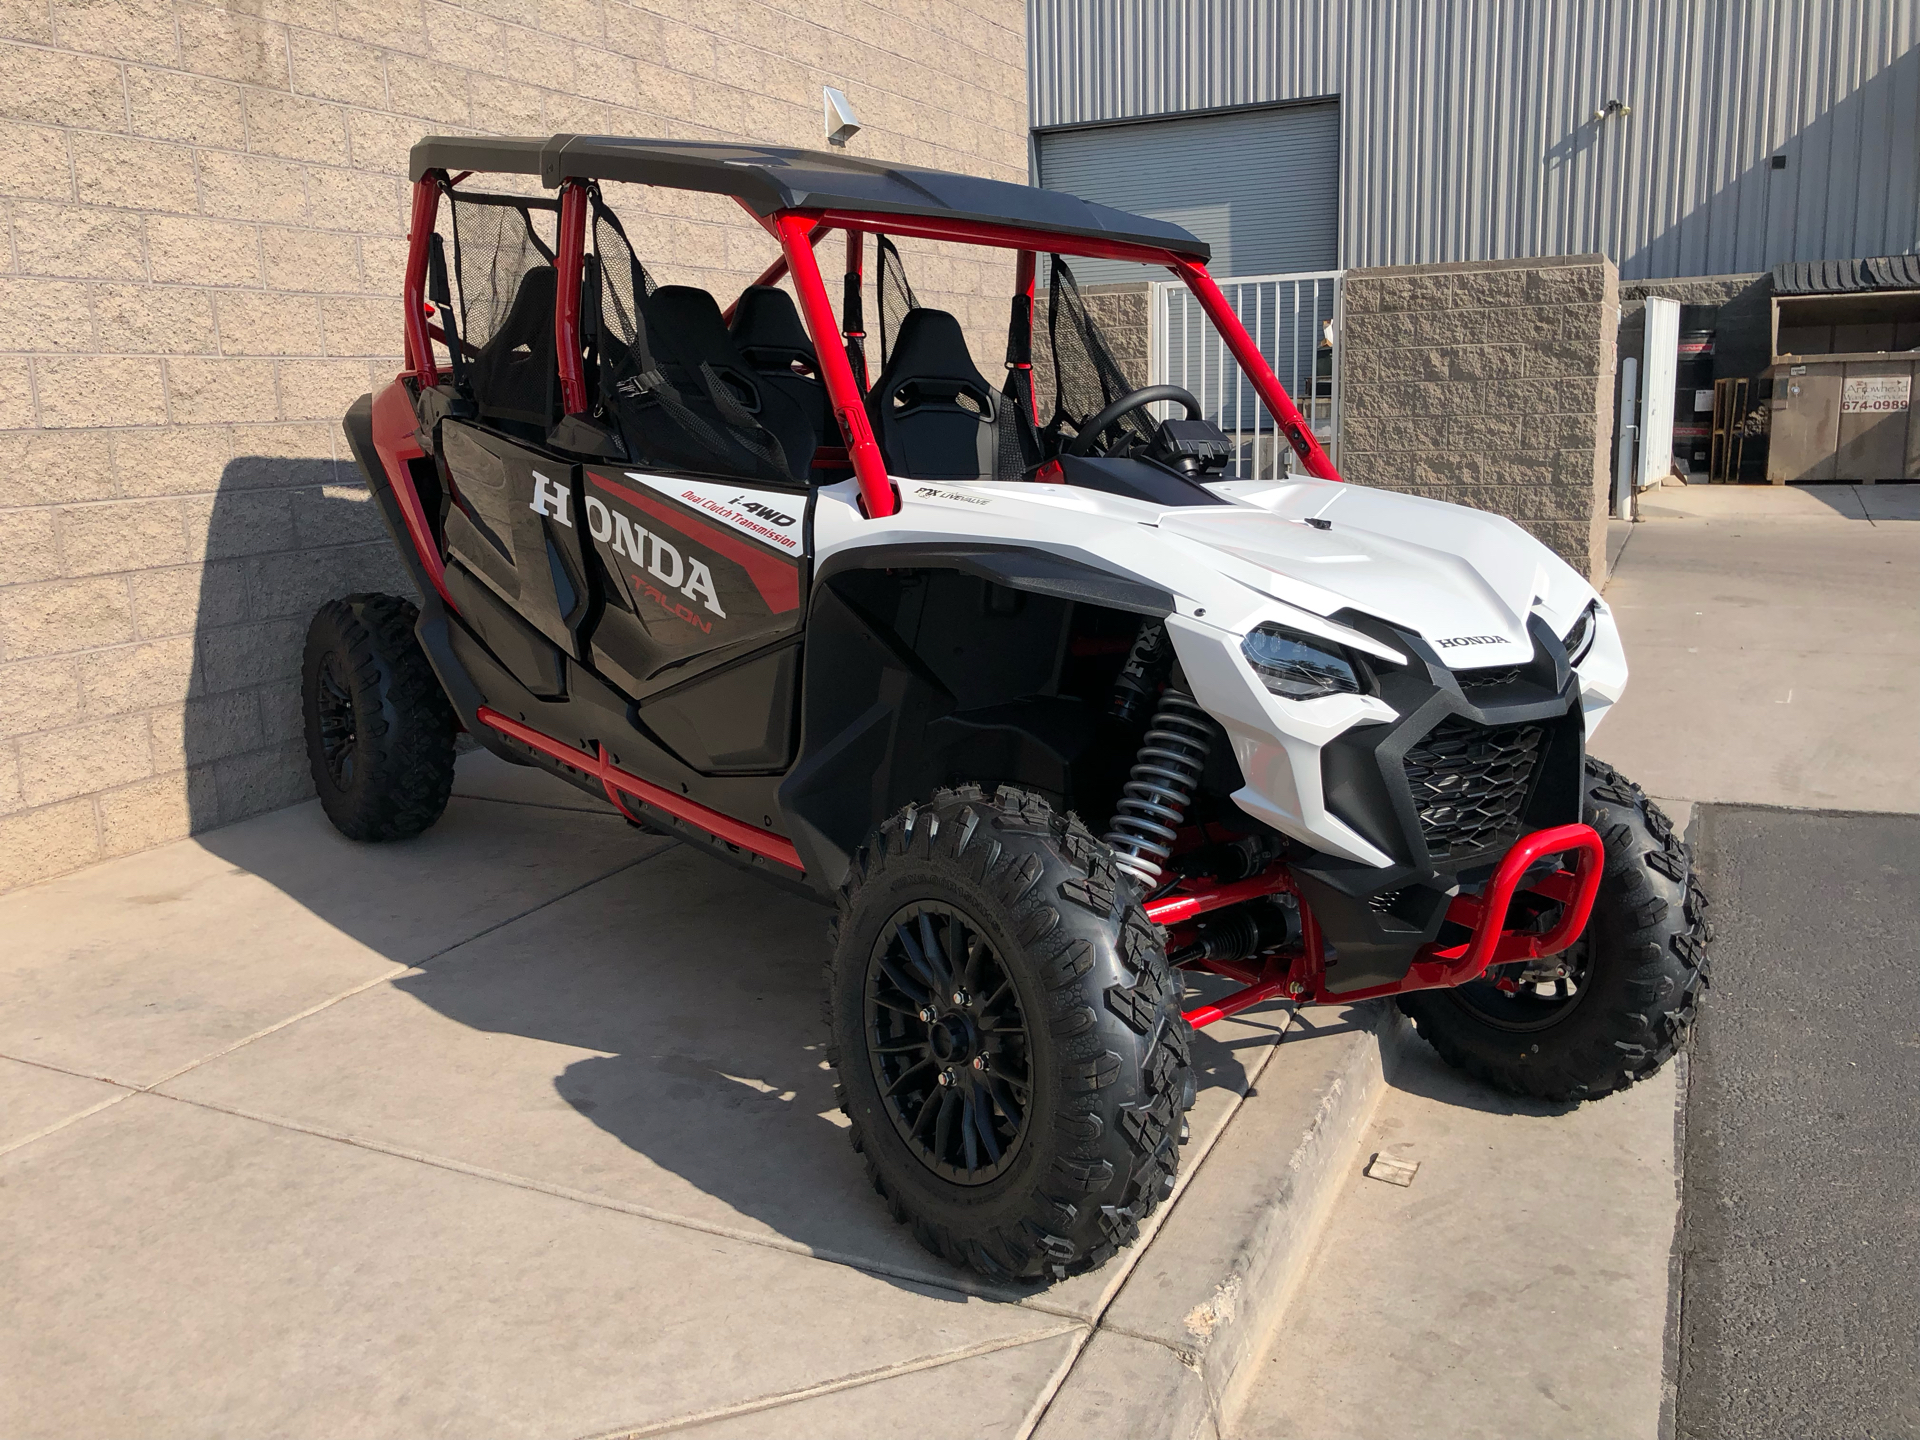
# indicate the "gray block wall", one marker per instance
pixel 1487 384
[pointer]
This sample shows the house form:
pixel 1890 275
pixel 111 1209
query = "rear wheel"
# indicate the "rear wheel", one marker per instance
pixel 1008 1036
pixel 380 732
pixel 1616 1005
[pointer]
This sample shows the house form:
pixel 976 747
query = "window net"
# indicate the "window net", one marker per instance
pixel 508 287
pixel 896 296
pixel 496 243
pixel 1079 365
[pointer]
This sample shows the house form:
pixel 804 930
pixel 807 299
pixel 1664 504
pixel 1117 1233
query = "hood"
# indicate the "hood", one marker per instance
pixel 1463 579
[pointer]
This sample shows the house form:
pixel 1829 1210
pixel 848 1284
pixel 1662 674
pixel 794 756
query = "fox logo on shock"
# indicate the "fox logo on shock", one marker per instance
pixel 1473 640
pixel 673 570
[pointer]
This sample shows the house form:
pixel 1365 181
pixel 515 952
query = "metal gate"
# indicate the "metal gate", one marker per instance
pixel 1295 320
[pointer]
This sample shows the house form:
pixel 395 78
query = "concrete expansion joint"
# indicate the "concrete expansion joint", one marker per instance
pixel 829 1387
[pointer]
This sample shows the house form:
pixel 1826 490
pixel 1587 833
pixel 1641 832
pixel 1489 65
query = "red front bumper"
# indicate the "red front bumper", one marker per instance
pixel 1303 976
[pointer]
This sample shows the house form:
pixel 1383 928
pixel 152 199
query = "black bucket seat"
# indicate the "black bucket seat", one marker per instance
pixel 719 391
pixel 766 327
pixel 932 410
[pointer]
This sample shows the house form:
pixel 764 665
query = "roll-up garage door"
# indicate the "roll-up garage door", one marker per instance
pixel 1261 186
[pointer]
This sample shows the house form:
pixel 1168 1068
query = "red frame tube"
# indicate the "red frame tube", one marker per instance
pixel 1254 365
pixel 616 781
pixel 998 237
pixel 566 310
pixel 1193 898
pixel 796 239
pixel 413 287
pixel 396 441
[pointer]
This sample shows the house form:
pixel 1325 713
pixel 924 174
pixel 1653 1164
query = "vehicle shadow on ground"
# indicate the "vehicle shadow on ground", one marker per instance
pixel 1413 1067
pixel 695 992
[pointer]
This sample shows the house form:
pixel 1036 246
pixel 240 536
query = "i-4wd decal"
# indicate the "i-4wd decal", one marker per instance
pixel 769 516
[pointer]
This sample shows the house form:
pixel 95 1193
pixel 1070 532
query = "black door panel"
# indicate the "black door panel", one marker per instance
pixel 690 569
pixel 532 659
pixel 513 526
pixel 738 720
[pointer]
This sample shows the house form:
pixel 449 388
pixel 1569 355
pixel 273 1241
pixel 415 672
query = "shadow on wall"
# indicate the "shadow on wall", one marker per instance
pixel 1786 215
pixel 285 535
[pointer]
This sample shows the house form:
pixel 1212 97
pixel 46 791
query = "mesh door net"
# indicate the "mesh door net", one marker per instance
pixel 505 271
pixel 896 297
pixel 675 410
pixel 1080 364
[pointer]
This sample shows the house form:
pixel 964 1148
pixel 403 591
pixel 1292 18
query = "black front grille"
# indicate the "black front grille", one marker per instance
pixel 1485 679
pixel 1470 784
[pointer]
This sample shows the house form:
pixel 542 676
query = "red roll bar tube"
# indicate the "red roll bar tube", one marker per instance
pixel 566 310
pixel 796 239
pixel 413 288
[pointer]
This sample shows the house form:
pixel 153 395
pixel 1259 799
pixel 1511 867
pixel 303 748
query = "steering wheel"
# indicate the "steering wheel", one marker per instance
pixel 1091 432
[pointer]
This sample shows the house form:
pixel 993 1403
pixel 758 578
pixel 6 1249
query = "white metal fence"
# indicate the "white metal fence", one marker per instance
pixel 1295 320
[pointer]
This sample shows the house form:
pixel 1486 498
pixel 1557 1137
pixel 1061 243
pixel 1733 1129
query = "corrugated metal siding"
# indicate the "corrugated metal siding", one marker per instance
pixel 1468 129
pixel 1260 186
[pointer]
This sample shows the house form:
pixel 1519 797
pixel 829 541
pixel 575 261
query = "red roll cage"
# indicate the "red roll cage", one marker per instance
pixel 798 232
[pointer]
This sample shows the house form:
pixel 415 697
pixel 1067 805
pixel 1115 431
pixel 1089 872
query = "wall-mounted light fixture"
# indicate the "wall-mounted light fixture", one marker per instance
pixel 1613 108
pixel 842 123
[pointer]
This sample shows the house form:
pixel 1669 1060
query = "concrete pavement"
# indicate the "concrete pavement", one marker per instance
pixel 524 1127
pixel 1773 646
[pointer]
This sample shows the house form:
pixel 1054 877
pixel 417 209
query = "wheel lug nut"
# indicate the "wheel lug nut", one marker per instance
pixel 946 1077
pixel 927 1015
pixel 979 1062
pixel 960 997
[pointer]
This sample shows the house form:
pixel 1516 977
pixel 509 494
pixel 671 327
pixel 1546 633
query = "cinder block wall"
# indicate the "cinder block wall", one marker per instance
pixel 1488 384
pixel 205 211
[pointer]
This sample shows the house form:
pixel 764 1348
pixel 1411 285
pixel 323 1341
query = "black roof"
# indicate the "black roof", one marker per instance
pixel 770 178
pixel 1839 277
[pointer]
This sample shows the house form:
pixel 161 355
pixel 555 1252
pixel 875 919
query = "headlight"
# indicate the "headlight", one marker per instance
pixel 1579 639
pixel 1298 666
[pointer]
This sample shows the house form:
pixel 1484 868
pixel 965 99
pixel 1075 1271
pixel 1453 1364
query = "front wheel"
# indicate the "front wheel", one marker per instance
pixel 1617 1004
pixel 380 732
pixel 1007 1032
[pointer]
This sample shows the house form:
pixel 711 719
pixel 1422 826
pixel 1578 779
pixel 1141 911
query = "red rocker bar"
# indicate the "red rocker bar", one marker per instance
pixel 617 782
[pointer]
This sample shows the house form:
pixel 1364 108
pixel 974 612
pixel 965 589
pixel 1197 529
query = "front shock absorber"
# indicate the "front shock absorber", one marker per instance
pixel 1160 786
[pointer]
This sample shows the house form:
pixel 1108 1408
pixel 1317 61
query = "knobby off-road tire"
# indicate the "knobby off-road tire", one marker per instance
pixel 1078 971
pixel 380 732
pixel 1642 965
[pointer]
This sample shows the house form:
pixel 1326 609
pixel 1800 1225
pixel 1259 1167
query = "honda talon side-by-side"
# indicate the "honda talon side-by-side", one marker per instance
pixel 1030 681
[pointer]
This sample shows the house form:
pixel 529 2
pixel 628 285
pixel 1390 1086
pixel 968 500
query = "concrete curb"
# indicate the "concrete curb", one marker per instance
pixel 1171 1353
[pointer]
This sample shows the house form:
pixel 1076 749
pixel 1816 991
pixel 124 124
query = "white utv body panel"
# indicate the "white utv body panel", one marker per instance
pixel 1464 580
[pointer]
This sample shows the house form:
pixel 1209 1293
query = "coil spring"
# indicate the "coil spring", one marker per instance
pixel 1160 787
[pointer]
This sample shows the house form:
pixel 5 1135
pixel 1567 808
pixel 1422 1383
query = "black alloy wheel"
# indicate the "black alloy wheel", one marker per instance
pixel 333 716
pixel 948 1043
pixel 1527 995
pixel 1007 1035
